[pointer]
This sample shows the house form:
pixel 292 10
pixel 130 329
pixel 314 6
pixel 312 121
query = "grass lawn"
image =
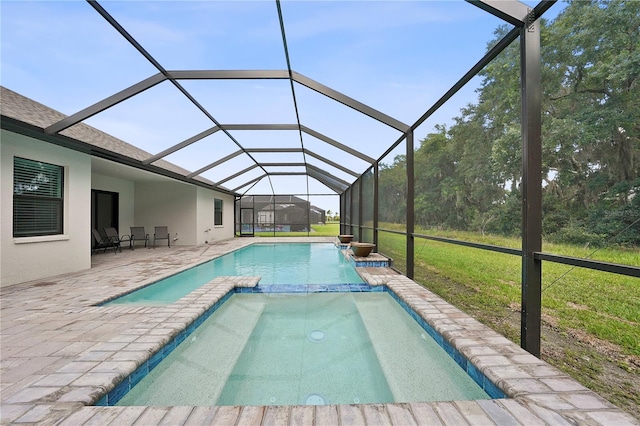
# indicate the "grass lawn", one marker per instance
pixel 330 229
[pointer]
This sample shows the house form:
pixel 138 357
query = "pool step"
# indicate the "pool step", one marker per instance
pixel 307 350
pixel 196 371
pixel 421 371
pixel 231 337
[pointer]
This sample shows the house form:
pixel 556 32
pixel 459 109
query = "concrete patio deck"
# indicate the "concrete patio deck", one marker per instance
pixel 60 353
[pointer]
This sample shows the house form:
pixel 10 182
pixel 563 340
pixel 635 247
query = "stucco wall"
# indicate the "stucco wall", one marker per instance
pixel 226 230
pixel 172 204
pixel 206 208
pixel 126 191
pixel 204 227
pixel 43 257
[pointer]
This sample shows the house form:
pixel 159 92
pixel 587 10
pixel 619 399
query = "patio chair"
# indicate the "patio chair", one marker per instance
pixel 161 233
pixel 102 243
pixel 112 234
pixel 138 234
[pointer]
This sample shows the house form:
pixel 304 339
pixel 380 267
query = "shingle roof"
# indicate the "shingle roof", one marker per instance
pixel 21 108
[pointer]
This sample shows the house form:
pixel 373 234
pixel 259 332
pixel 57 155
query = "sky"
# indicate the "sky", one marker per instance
pixel 398 57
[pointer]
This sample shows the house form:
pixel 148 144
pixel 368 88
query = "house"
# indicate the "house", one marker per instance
pixel 282 212
pixel 56 188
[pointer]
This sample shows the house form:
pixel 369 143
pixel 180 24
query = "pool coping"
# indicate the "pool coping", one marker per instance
pixel 538 393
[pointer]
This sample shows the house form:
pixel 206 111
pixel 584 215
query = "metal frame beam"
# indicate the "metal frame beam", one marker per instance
pixel 302 128
pixel 512 11
pixel 352 195
pixel 360 208
pixel 331 163
pixel 331 185
pixel 410 213
pixel 104 104
pixel 228 74
pixel 288 173
pixel 283 165
pixel 614 268
pixel 306 151
pixel 337 144
pixel 327 174
pixel 260 126
pixel 182 144
pixel 531 122
pixel 327 179
pixel 249 182
pixel 242 127
pixel 216 163
pixel 341 212
pixel 273 150
pixel 376 198
pixel 350 102
pixel 235 175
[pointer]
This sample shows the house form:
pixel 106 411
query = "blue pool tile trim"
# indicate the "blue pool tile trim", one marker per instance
pixel 113 396
pixel 311 288
pixel 478 376
pixel 369 263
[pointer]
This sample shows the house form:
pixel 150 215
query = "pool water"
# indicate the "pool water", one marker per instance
pixel 315 348
pixel 276 264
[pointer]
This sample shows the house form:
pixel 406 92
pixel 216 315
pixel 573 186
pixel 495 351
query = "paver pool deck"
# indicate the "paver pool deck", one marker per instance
pixel 59 353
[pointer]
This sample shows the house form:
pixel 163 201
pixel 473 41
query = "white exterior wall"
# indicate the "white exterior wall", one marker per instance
pixel 204 227
pixel 32 258
pixel 206 208
pixel 172 204
pixel 126 197
pixel 227 229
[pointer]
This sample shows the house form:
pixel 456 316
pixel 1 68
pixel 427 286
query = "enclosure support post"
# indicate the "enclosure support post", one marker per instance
pixel 410 204
pixel 375 206
pixel 360 179
pixel 341 215
pixel 530 65
pixel 351 218
pixel 309 213
pixel 349 210
pixel 349 221
pixel 236 208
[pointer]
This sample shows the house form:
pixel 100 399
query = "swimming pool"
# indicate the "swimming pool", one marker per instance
pixel 316 348
pixel 276 264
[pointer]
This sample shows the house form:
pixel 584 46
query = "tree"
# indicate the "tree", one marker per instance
pixel 469 176
pixel 392 187
pixel 435 185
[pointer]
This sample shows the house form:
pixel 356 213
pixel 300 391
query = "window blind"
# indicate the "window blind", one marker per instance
pixel 37 198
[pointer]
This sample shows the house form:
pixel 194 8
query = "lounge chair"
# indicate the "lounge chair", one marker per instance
pixel 138 234
pixel 102 243
pixel 112 234
pixel 161 233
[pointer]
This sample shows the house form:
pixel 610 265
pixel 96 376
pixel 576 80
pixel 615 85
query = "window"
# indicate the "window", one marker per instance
pixel 37 198
pixel 217 213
